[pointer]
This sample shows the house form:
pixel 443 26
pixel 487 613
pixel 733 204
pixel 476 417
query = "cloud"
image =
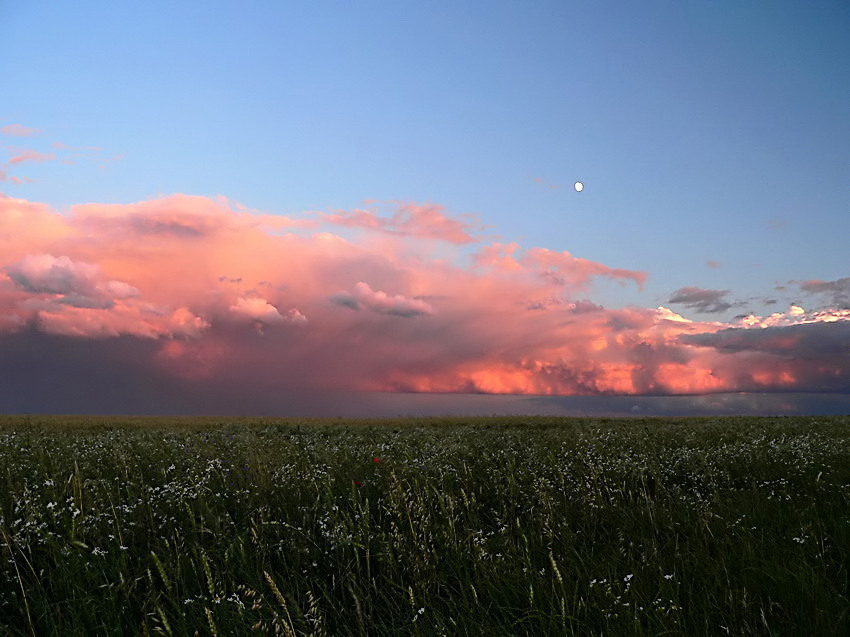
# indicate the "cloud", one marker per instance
pixel 118 320
pixel 802 357
pixel 803 340
pixel 181 217
pixel 576 307
pixel 556 268
pixel 562 268
pixel 701 300
pixel 178 217
pixel 173 292
pixel 381 302
pixel 499 256
pixel 837 292
pixel 259 310
pixel 421 221
pixel 794 315
pixel 73 283
pixel 18 130
pixel 30 155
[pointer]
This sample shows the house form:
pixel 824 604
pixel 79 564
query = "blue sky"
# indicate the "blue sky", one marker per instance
pixel 697 127
pixel 704 132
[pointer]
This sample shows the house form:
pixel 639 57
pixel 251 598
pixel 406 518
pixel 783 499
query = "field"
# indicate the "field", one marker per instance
pixel 499 526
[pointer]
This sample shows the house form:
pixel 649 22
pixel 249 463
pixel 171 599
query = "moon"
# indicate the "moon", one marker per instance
pixel 579 186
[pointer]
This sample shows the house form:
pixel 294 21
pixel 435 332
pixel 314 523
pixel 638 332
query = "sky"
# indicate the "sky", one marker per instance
pixel 356 209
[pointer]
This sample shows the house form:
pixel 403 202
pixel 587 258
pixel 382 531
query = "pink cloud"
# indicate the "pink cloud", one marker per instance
pixel 120 320
pixel 18 130
pixel 44 273
pixel 176 217
pixel 563 268
pixel 196 290
pixel 27 227
pixel 29 155
pixel 556 268
pixel 499 256
pixel 381 302
pixel 421 221
pixel 259 310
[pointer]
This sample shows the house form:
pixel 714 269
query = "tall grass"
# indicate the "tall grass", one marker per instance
pixel 433 527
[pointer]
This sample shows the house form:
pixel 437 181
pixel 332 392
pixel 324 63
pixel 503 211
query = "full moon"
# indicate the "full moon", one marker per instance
pixel 579 186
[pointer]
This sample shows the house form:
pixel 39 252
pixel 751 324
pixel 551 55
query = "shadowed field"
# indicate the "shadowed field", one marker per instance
pixel 477 526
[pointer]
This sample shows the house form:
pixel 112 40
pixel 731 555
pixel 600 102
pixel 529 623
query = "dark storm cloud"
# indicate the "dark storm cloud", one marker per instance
pixel 54 374
pixel 804 340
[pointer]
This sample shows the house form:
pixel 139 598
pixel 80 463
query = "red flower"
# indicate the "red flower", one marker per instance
pixel 376 459
pixel 358 484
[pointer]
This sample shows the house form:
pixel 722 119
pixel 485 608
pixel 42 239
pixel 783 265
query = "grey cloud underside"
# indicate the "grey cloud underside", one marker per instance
pixel 345 300
pixel 400 309
pixel 55 282
pixel 75 284
pixel 56 374
pixel 574 307
pixel 829 340
pixel 84 301
pixel 404 313
pixel 837 291
pixel 53 374
pixel 702 300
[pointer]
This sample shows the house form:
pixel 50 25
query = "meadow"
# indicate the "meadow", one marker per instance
pixel 477 526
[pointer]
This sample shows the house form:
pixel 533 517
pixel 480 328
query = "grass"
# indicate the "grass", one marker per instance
pixel 501 526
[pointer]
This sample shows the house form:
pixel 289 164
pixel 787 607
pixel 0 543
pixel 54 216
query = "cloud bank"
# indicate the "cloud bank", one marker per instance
pixel 199 298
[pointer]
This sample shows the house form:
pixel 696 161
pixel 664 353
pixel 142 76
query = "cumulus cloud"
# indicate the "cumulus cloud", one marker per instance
pixel 256 309
pixel 794 315
pixel 801 340
pixel 74 283
pixel 576 307
pixel 381 302
pixel 120 320
pixel 166 289
pixel 702 300
pixel 179 216
pixel 259 310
